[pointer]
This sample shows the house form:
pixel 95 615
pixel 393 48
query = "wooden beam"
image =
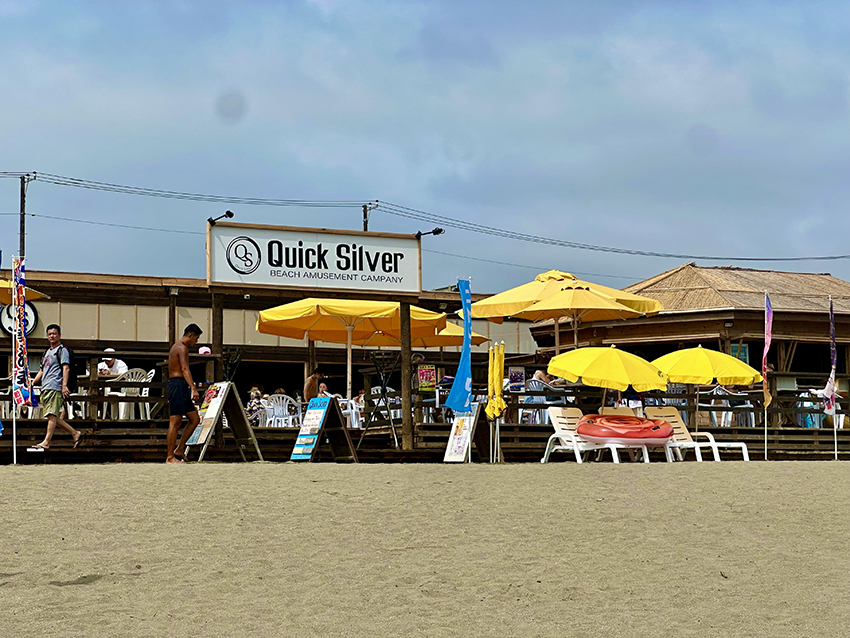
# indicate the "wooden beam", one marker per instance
pixel 217 345
pixel 172 319
pixel 406 376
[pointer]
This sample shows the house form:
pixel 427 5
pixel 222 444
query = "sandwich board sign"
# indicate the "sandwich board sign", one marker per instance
pixel 322 422
pixel 221 400
pixel 460 439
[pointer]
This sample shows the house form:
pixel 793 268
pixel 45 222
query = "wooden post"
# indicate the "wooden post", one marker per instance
pixel 91 409
pixel 406 378
pixel 217 346
pixel 311 359
pixel 172 319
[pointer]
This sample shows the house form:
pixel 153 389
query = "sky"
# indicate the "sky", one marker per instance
pixel 696 128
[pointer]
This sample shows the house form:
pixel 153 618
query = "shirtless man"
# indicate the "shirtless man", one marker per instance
pixel 182 394
pixel 311 385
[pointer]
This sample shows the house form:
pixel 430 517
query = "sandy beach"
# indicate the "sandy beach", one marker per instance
pixel 711 549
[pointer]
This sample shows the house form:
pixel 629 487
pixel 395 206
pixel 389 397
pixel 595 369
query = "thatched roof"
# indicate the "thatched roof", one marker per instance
pixel 692 287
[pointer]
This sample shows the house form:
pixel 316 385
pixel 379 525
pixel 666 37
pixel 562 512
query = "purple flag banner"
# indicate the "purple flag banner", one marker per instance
pixel 829 391
pixel 768 331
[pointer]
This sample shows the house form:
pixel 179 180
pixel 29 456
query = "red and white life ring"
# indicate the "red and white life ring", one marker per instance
pixel 625 430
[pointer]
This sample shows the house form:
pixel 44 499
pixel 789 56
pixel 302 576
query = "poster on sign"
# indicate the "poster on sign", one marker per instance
pixel 221 402
pixel 323 424
pixel 427 376
pixel 516 379
pixel 209 413
pixel 460 438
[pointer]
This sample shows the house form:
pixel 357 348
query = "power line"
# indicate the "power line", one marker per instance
pixel 537 268
pixel 398 210
pixel 95 223
pixel 412 213
pixel 60 180
pixel 193 232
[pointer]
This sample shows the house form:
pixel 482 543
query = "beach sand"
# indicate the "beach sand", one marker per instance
pixel 710 549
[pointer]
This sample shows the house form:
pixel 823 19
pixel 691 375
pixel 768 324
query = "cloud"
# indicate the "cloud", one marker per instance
pixel 694 129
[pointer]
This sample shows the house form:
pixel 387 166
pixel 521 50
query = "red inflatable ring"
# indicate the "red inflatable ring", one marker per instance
pixel 625 430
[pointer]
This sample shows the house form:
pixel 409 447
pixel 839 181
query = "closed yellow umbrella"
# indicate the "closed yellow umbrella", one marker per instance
pixel 608 368
pixel 345 321
pixel 451 335
pixel 510 302
pixel 7 287
pixel 495 401
pixel 579 303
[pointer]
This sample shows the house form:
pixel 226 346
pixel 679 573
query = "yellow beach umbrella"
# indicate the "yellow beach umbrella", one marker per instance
pixel 510 302
pixel 451 335
pixel 701 366
pixel 7 287
pixel 345 321
pixel 608 368
pixel 579 303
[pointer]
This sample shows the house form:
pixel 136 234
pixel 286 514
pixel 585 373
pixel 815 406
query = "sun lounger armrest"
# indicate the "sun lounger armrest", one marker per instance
pixel 569 437
pixel 707 435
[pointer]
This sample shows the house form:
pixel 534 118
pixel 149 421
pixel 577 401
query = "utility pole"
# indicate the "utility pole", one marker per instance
pixel 365 217
pixel 23 237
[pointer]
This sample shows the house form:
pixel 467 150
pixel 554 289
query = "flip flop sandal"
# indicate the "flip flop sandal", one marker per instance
pixel 79 440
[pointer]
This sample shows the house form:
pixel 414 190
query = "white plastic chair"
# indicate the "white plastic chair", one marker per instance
pixel 145 408
pixel 534 415
pixel 393 401
pixel 351 411
pixel 125 410
pixel 286 412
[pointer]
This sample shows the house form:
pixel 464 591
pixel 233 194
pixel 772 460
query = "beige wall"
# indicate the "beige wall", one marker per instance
pixel 113 322
pixel 105 322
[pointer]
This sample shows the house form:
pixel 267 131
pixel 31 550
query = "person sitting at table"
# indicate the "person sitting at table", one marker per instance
pixel 545 377
pixel 323 390
pixel 110 366
pixel 280 391
pixel 361 398
pixel 255 408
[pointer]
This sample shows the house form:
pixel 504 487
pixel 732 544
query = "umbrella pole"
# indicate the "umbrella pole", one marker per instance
pixel 557 337
pixel 349 330
pixel 575 332
pixel 696 413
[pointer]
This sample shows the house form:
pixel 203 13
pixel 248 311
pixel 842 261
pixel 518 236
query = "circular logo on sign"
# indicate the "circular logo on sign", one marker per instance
pixel 243 255
pixel 7 318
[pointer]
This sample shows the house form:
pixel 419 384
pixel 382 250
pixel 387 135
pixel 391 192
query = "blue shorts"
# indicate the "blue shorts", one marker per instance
pixel 180 397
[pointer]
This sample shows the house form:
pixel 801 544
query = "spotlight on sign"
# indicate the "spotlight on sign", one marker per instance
pixel 436 231
pixel 227 213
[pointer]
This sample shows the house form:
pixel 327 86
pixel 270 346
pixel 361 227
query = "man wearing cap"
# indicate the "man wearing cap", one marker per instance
pixel 110 366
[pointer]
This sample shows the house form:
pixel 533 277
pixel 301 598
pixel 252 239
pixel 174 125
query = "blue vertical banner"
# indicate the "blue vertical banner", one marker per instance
pixel 460 396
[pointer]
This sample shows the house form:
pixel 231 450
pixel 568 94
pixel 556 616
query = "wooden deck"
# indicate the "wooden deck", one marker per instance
pixel 145 441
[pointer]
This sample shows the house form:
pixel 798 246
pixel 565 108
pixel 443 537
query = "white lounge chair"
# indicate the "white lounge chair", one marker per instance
pixel 683 439
pixel 565 421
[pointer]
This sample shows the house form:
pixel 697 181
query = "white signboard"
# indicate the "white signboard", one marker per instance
pixel 457 451
pixel 312 258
